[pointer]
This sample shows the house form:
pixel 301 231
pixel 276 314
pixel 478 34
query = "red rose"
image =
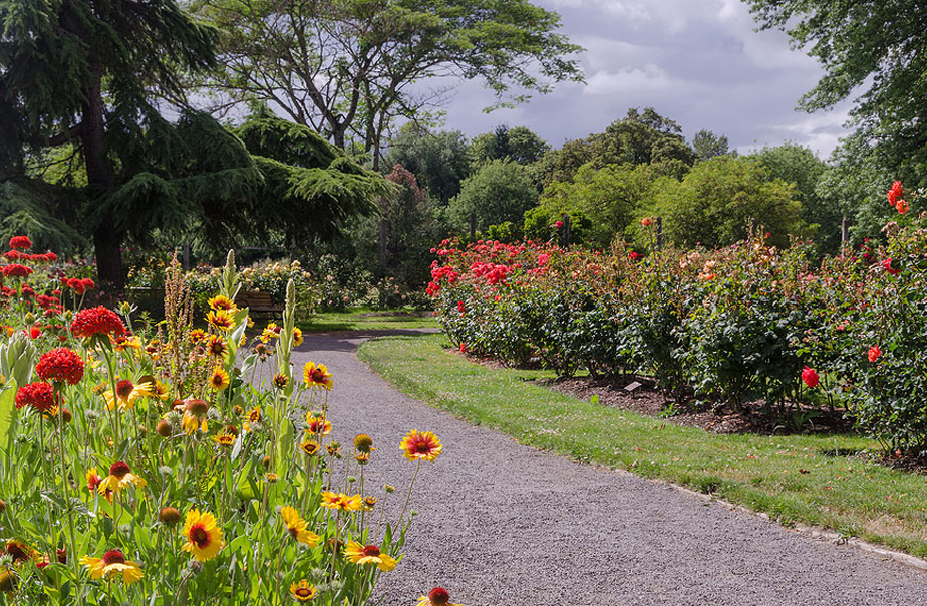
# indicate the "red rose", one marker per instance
pixel 810 377
pixel 891 266
pixel 874 353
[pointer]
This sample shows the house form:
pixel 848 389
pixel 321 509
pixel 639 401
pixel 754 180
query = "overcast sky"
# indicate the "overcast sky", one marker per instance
pixel 699 62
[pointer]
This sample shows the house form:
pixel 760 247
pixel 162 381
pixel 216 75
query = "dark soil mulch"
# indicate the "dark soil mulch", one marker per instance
pixel 725 419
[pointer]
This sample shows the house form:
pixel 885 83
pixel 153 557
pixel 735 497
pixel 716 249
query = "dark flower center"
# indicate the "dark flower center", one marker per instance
pixel 114 556
pixel 124 389
pixel 371 550
pixel 199 536
pixel 422 447
pixel 118 469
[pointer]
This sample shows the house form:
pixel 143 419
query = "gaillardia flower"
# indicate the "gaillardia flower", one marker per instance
pixel 126 394
pixel 339 501
pixel 436 597
pixel 221 319
pixel 113 563
pixel 317 424
pixel 370 554
pixel 304 591
pixel 219 379
pixel 296 527
pixel 119 477
pixel 420 445
pixel 204 537
pixel 317 376
pixel 222 303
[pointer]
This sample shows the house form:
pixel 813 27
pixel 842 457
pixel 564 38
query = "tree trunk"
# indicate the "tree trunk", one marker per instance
pixel 106 240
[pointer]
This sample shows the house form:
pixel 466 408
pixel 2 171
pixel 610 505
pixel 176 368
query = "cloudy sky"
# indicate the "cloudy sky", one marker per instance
pixel 699 62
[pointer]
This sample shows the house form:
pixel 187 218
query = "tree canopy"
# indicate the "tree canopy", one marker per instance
pixel 347 68
pixel 81 76
pixel 871 47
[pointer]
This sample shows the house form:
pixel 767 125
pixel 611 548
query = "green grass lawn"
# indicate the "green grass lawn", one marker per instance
pixel 827 481
pixel 365 318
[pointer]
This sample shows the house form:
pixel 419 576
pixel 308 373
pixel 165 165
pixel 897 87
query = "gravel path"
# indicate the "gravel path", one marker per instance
pixel 502 524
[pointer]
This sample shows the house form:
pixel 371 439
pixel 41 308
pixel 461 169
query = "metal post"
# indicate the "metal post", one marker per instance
pixel 566 230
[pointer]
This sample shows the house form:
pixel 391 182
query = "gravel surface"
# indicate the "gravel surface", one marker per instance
pixel 501 523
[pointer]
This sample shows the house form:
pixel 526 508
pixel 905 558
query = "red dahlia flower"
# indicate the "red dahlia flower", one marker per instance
pixel 97 321
pixel 21 242
pixel 61 365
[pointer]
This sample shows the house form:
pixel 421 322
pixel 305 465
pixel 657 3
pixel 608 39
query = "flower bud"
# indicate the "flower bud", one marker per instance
pixel 169 516
pixel 164 428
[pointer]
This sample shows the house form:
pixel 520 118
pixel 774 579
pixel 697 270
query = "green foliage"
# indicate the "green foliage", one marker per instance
pixel 707 145
pixel 871 44
pixel 641 137
pixel 347 68
pixel 519 144
pixel 499 191
pixel 32 207
pixel 438 160
pixel 609 198
pixel 800 166
pixel 715 204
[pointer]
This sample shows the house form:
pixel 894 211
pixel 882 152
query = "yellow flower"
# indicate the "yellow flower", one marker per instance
pixel 194 415
pixel 222 303
pixel 204 537
pixel 19 551
pixel 296 526
pixel 221 319
pixel 333 500
pixel 197 335
pixel 309 447
pixel 361 555
pixel 271 332
pixel 420 445
pixel 303 592
pixel 317 424
pixel 216 346
pixel 160 390
pixel 119 477
pixel 225 439
pixel 317 376
pixel 297 337
pixel 127 394
pixel 219 379
pixel 113 563
pixel 436 597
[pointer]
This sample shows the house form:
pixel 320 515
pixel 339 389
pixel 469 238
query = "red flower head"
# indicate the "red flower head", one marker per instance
pixel 558 224
pixel 463 348
pixel 97 321
pixel 87 284
pixel 76 285
pixel 810 377
pixel 891 266
pixel 34 332
pixel 51 257
pixel 20 242
pixel 461 307
pixel 646 222
pixel 895 193
pixel 633 256
pixel 61 365
pixel 37 395
pixel 15 270
pixel 874 353
pixel 13 255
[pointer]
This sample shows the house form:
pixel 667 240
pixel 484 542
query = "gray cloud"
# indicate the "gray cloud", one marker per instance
pixel 699 62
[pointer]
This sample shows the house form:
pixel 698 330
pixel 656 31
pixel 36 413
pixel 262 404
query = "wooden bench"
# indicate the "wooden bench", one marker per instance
pixel 258 302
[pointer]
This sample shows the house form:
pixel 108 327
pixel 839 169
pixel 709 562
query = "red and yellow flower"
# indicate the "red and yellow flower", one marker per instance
pixel 126 394
pixel 436 597
pixel 296 527
pixel 340 501
pixel 120 476
pixel 303 591
pixel 203 535
pixel 317 377
pixel 369 554
pixel 420 445
pixel 113 564
pixel 219 379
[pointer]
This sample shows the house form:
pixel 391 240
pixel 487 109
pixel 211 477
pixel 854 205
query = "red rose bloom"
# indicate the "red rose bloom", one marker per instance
pixel 895 193
pixel 15 270
pixel 97 321
pixel 874 353
pixel 810 377
pixel 461 307
pixel 20 242
pixel 61 365
pixel 891 266
pixel 37 395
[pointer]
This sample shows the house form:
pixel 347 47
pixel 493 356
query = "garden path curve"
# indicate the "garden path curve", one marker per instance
pixel 501 523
